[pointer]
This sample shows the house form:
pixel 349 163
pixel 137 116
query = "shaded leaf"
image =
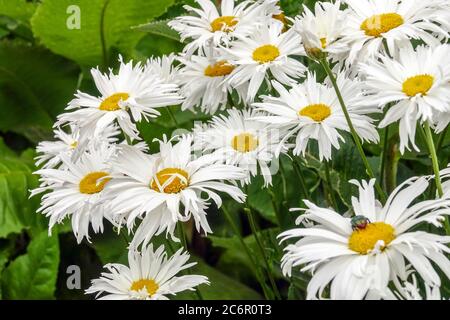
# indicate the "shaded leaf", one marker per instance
pixel 33 275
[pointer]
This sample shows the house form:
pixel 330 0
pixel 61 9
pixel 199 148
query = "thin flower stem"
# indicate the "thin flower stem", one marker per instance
pixel 330 187
pixel 435 163
pixel 184 243
pixel 255 231
pixel 172 116
pixel 434 158
pixel 256 270
pixel 301 178
pixel 384 155
pixel 355 136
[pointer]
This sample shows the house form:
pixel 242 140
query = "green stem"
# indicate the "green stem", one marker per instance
pixel 255 231
pixel 301 178
pixel 184 242
pixel 384 155
pixel 434 158
pixel 256 270
pixel 435 162
pixel 172 116
pixel 355 136
pixel 329 186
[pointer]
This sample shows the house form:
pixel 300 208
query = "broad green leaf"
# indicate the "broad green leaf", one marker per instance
pixel 35 86
pixel 17 212
pixel 33 275
pixel 104 24
pixel 21 10
pixel 159 28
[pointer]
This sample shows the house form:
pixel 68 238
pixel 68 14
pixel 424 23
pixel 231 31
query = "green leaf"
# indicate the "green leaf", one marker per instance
pixel 33 275
pixel 159 28
pixel 35 86
pixel 236 261
pixel 222 287
pixel 21 10
pixel 104 24
pixel 16 210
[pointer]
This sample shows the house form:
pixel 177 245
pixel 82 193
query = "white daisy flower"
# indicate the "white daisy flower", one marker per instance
pixel 129 96
pixel 409 290
pixel 370 22
pixel 70 144
pixel 267 49
pixel 164 67
pixel 168 187
pixel 416 81
pixel 203 81
pixel 151 275
pixel 240 141
pixel 322 30
pixel 311 110
pixel 210 28
pixel 76 190
pixel 357 255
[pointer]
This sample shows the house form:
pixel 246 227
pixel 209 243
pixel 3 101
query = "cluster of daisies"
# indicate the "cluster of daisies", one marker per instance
pixel 246 65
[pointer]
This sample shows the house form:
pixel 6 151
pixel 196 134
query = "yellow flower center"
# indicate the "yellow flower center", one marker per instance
pixel 74 144
pixel 378 24
pixel 317 112
pixel 364 240
pixel 112 102
pixel 282 18
pixel 149 284
pixel 323 41
pixel 266 53
pixel 219 69
pixel 419 84
pixel 224 23
pixel 170 180
pixel 244 142
pixel 90 184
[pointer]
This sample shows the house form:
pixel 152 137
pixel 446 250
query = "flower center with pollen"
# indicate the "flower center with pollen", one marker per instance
pixel 93 182
pixel 149 284
pixel 365 240
pixel 170 180
pixel 378 24
pixel 244 142
pixel 317 112
pixel 112 102
pixel 224 23
pixel 219 69
pixel 419 84
pixel 323 42
pixel 266 53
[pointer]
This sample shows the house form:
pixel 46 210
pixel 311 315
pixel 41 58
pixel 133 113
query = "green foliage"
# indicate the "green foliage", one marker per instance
pixel 33 275
pixel 20 10
pixel 104 24
pixel 35 86
pixel 16 210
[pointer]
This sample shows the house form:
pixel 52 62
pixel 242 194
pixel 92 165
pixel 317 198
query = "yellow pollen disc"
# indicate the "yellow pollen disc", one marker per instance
pixel 282 18
pixel 419 84
pixel 244 142
pixel 364 240
pixel 323 41
pixel 266 53
pixel 378 24
pixel 219 69
pixel 112 102
pixel 74 144
pixel 173 180
pixel 317 112
pixel 90 184
pixel 149 284
pixel 224 23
